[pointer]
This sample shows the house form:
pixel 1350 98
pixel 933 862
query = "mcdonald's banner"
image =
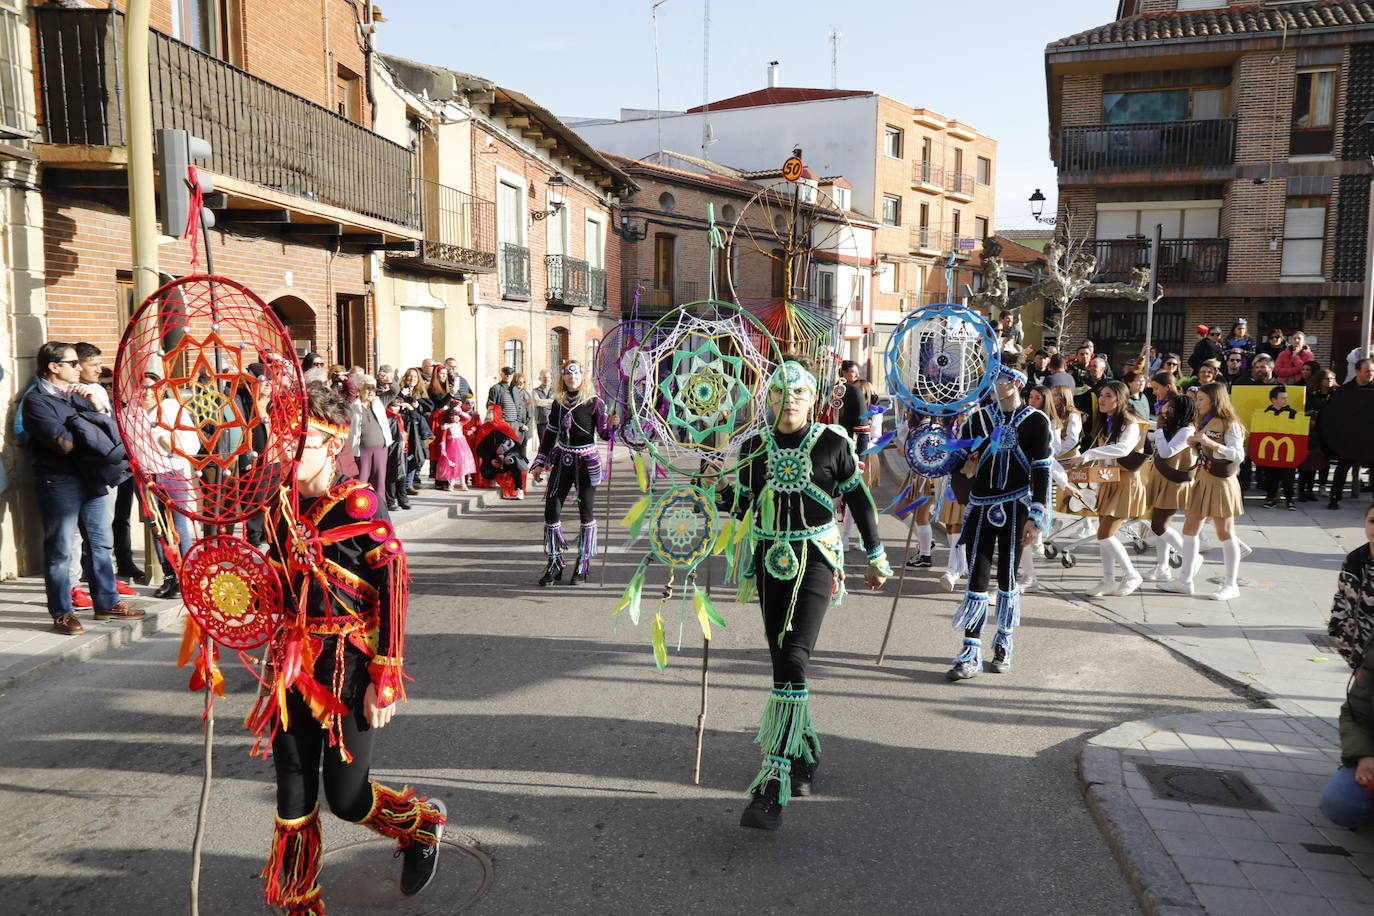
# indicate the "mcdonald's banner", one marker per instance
pixel 1278 441
pixel 1249 398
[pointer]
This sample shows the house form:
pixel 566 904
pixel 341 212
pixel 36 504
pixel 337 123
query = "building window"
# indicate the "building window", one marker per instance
pixel 1304 226
pixel 728 213
pixel 957 217
pixel 958 162
pixel 1314 112
pixel 984 171
pixel 892 142
pixel 892 210
pixel 558 347
pixel 595 243
pixel 980 227
pixel 887 278
pixel 349 101
pixel 513 354
pixel 667 202
pixel 15 104
pixel 825 289
pixel 593 350
pixel 857 301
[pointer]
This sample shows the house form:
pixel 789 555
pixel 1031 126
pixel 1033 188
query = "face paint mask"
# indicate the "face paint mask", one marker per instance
pixel 572 377
pixel 791 380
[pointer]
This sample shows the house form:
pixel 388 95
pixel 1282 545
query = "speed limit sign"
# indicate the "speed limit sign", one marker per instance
pixel 792 168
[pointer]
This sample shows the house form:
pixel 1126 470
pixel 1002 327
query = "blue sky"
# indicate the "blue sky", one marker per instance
pixel 979 62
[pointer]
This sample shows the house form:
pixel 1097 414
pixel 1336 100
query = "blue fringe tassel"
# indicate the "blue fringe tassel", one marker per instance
pixel 973 613
pixel 972 652
pixel 881 444
pixel 554 544
pixel 1008 609
pixel 898 501
pixel 1003 641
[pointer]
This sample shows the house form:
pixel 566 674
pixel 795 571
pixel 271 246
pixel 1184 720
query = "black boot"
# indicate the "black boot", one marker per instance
pixel 552 573
pixel 764 811
pixel 576 578
pixel 170 587
pixel 128 569
pixel 803 774
pixel 1001 661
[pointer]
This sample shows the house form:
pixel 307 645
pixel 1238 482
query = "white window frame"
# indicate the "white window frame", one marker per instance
pixel 883 214
pixel 516 181
pixel 16 89
pixel 890 131
pixel 595 259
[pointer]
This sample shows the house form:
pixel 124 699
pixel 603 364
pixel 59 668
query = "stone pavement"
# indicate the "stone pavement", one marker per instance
pixel 1198 840
pixel 28 646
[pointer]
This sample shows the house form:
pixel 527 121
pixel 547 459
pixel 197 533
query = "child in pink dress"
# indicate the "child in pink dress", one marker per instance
pixel 454 456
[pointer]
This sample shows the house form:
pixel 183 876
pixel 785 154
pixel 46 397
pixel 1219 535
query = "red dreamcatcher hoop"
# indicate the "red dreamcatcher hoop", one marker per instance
pixel 232 591
pixel 187 404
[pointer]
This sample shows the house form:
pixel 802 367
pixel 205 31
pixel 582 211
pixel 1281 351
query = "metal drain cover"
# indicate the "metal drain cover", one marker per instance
pixel 361 878
pixel 1203 786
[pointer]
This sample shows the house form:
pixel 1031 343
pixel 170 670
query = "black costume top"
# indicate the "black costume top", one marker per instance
pixel 1014 458
pixel 572 428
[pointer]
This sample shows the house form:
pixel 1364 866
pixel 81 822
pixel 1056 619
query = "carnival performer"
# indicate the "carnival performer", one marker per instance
pixel 568 452
pixel 335 673
pixel 1219 441
pixel 923 490
pixel 797 566
pixel 450 447
pixel 1120 442
pixel 1172 471
pixel 1007 506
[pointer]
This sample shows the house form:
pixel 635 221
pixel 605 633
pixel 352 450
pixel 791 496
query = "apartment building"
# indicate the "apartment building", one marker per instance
pixel 925 179
pixel 1238 128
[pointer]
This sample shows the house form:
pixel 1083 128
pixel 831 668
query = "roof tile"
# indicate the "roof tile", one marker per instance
pixel 1233 20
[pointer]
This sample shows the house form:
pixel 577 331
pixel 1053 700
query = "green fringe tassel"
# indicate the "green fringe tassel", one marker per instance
pixel 634 519
pixel 630 599
pixel 786 719
pixel 641 477
pixel 660 645
pixel 748 588
pixel 706 612
pixel 779 768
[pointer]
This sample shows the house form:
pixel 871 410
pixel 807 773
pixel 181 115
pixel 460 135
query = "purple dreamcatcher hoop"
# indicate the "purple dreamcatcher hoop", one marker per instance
pixel 616 373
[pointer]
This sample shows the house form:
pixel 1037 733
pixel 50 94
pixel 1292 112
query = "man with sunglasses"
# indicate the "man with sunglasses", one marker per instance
pixel 77 457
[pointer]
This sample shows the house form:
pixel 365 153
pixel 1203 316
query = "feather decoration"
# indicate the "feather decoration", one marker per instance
pixel 882 443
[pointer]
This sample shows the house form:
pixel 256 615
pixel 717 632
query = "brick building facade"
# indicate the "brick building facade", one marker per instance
pixel 1235 128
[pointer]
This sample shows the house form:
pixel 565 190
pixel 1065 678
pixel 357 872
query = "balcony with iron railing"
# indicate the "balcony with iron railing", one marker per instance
pixel 935 240
pixel 596 288
pixel 459 231
pixel 959 186
pixel 515 272
pixel 259 133
pixel 927 176
pixel 1158 144
pixel 1181 261
pixel 567 280
pixel 657 297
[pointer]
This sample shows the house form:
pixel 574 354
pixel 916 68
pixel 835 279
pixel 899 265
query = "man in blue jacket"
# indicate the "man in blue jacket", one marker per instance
pixel 77 457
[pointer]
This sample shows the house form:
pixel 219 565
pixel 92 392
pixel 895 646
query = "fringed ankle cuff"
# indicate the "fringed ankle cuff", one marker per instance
pixel 786 719
pixel 403 816
pixel 779 768
pixel 293 865
pixel 586 548
pixel 973 612
pixel 554 543
pixel 1002 642
pixel 972 652
pixel 1008 609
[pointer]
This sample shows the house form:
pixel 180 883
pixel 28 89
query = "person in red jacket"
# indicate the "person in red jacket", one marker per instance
pixel 1288 365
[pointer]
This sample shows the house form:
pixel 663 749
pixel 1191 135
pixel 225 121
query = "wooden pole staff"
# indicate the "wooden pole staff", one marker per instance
pixel 701 713
pixel 901 580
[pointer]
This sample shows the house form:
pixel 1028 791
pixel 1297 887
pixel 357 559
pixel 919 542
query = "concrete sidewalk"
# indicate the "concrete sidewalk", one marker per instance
pixel 29 647
pixel 1217 813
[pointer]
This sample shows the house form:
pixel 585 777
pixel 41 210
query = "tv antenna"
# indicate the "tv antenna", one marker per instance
pixel 834 37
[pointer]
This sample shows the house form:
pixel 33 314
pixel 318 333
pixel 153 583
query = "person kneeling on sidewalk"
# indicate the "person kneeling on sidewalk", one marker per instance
pixel 1348 798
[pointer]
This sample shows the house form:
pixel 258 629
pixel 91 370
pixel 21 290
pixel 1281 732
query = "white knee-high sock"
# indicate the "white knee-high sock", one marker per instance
pixel 1104 547
pixel 1169 540
pixel 1123 559
pixel 1185 572
pixel 925 538
pixel 1230 554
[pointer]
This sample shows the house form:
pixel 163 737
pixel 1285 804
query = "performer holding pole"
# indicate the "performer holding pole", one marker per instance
pixel 1006 509
pixel 569 450
pixel 797 564
pixel 335 672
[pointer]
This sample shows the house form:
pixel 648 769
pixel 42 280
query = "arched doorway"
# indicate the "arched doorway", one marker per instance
pixel 299 318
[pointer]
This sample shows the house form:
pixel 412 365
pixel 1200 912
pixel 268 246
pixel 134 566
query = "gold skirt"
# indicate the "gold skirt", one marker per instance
pixel 1123 499
pixel 1165 494
pixel 952 513
pixel 1215 497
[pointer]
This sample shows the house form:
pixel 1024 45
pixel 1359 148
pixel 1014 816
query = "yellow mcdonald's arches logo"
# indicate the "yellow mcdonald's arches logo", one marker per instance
pixel 1274 450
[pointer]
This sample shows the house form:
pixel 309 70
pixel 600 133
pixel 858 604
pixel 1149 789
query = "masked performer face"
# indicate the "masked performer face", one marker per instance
pixel 572 377
pixel 791 395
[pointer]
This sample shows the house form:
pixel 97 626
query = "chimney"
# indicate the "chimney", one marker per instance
pixel 773 74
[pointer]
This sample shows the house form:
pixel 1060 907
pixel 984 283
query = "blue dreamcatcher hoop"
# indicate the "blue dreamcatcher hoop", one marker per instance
pixel 942 360
pixel 683 525
pixel 928 452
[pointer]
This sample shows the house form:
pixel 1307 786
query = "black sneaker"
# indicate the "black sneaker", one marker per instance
pixel 576 579
pixel 764 811
pixel 552 574
pixel 1334 504
pixel 922 562
pixel 963 671
pixel 1288 504
pixel 419 863
pixel 803 773
pixel 1001 662
pixel 1270 502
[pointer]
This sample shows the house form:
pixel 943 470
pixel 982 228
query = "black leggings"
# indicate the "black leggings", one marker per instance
pixel 982 538
pixel 813 597
pixel 297 751
pixel 562 483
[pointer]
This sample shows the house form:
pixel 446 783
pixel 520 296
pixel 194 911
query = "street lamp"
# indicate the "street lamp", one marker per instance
pixel 1037 202
pixel 556 183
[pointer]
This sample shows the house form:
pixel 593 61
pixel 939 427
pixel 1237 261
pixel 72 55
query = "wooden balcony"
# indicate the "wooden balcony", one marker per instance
pixel 1158 144
pixel 1182 262
pixel 260 134
pixel 459 231
pixel 567 277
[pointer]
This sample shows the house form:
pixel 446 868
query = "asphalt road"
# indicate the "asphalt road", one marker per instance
pixel 566 757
